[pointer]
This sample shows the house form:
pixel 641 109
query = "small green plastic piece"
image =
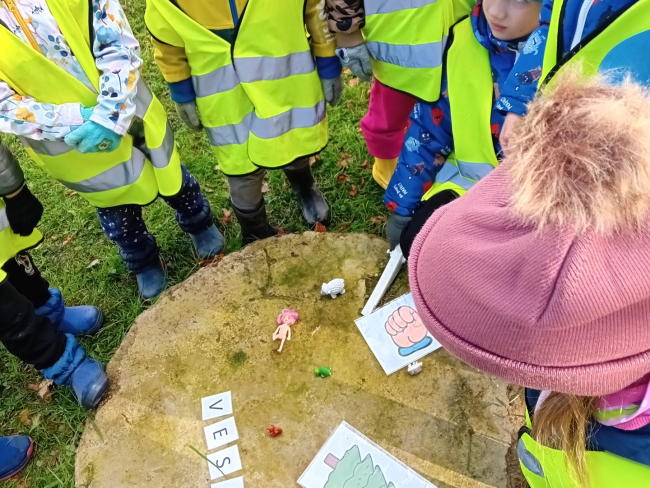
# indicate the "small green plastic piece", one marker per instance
pixel 323 371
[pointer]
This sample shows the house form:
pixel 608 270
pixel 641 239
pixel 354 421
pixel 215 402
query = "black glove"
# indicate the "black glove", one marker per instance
pixel 23 212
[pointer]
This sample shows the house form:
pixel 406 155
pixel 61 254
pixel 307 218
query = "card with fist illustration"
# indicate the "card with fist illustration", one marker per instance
pixel 396 334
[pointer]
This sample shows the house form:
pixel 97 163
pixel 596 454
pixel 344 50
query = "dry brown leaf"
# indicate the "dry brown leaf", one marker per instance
pixel 349 103
pixel 341 178
pixel 217 168
pixel 24 417
pixel 282 231
pixel 365 164
pixel 345 227
pixel 312 160
pixel 94 263
pixel 346 71
pixel 265 187
pixel 227 216
pixel 354 191
pixel 320 227
pixel 346 159
pixel 354 81
pixel 67 241
pixel 363 181
pixel 70 193
pixel 44 389
pixel 378 219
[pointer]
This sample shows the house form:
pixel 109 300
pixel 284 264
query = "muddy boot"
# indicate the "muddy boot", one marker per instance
pixel 254 224
pixel 312 202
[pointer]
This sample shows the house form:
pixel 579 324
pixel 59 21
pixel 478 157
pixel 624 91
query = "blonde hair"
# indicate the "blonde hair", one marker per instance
pixel 561 422
pixel 581 157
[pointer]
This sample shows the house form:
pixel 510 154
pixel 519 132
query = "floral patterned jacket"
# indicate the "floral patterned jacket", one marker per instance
pixel 117 56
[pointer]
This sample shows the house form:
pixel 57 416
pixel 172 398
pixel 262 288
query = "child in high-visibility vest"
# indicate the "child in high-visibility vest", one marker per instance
pixel 37 327
pixel 108 70
pixel 502 27
pixel 227 21
pixel 539 276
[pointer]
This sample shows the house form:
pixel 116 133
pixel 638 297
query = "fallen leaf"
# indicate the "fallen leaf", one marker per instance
pixel 36 420
pixel 354 81
pixel 44 389
pixel 341 178
pixel 265 187
pixel 54 238
pixel 217 168
pixel 347 158
pixel 93 264
pixel 227 216
pixel 207 189
pixel 345 227
pixel 318 157
pixel 354 191
pixel 378 219
pixel 365 164
pixel 24 418
pixel 349 103
pixel 320 227
pixel 67 241
pixel 70 193
pixel 282 231
pixel 312 160
pixel 346 71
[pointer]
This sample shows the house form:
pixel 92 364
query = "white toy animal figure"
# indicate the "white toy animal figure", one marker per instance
pixel 334 288
pixel 414 368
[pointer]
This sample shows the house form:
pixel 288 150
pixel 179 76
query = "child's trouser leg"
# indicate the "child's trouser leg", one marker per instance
pixel 248 203
pixel 193 212
pixel 125 226
pixel 26 278
pixel 312 202
pixel 30 337
pixel 384 126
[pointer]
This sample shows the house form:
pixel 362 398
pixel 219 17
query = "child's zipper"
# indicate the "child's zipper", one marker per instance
pixel 233 12
pixel 23 25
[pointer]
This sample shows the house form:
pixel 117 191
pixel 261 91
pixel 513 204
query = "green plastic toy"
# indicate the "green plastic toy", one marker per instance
pixel 323 371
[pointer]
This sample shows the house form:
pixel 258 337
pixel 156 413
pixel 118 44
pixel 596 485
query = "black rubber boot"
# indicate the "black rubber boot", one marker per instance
pixel 254 225
pixel 312 202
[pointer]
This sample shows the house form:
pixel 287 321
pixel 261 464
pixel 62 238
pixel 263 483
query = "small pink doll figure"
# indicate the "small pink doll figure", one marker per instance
pixel 286 319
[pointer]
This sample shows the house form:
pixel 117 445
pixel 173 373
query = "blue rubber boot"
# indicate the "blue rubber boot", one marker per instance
pixel 77 321
pixel 152 281
pixel 84 375
pixel 208 243
pixel 15 452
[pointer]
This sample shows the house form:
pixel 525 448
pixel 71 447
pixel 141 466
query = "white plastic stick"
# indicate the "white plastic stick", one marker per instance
pixel 387 277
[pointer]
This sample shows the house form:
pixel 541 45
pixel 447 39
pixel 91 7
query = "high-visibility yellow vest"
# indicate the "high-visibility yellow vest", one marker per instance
pixel 407 40
pixel 471 92
pixel 10 243
pixel 591 51
pixel 124 176
pixel 546 468
pixel 260 99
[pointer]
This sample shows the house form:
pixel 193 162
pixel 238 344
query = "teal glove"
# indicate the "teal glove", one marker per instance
pixel 92 137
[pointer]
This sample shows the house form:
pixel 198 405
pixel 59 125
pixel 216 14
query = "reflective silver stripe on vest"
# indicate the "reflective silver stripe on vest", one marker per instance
pixel 374 7
pixel 143 99
pixel 449 173
pixel 295 118
pixel 47 148
pixel 118 176
pixel 218 81
pixel 162 156
pixel 4 220
pixel 230 134
pixel 421 56
pixel 474 171
pixel 263 68
pixel 526 457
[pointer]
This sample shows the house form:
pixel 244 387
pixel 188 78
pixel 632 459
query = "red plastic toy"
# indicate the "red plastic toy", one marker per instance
pixel 274 431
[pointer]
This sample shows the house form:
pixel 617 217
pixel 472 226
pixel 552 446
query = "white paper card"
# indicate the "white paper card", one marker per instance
pixel 217 405
pixel 349 458
pixel 233 483
pixel 221 433
pixel 396 334
pixel 227 460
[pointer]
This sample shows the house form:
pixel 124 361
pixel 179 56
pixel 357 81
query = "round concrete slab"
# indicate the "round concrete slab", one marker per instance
pixel 213 333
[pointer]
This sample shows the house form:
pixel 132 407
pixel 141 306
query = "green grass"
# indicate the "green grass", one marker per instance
pixel 57 426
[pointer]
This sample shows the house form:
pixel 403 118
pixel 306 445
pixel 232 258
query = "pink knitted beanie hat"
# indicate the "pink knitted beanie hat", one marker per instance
pixel 541 274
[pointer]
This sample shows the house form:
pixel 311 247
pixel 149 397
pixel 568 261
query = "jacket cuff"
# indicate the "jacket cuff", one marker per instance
pixel 182 91
pixel 329 68
pixel 11 174
pixel 512 105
